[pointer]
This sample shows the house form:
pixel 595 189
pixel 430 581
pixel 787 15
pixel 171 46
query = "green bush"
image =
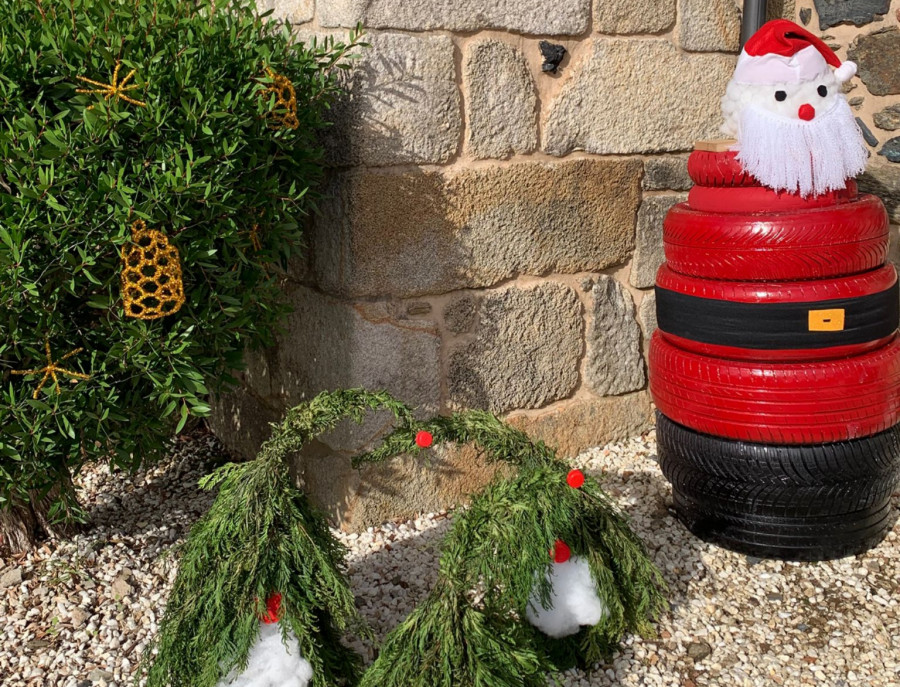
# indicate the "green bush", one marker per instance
pixel 198 147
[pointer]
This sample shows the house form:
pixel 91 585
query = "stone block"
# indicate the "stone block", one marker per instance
pixel 878 55
pixel 242 420
pixel 709 25
pixel 500 99
pixel 411 234
pixel 331 345
pixel 539 17
pixel 579 424
pixel 633 16
pixel 668 173
pixel 647 315
pixel 460 314
pixel 408 486
pixel 523 352
pixel 613 104
pixel 883 179
pixel 294 11
pixel 888 118
pixel 401 104
pixel 614 361
pixel 649 254
pixel 891 149
pixel 858 12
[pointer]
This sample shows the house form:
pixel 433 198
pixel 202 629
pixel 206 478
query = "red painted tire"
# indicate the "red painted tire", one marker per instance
pixel 804 244
pixel 803 403
pixel 770 321
pixel 756 199
pixel 718 169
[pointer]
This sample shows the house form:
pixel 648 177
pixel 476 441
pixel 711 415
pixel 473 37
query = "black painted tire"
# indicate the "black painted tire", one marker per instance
pixel 783 501
pixel 875 457
pixel 799 539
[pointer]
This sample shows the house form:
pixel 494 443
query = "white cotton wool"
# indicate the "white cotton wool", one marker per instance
pixel 575 601
pixel 272 664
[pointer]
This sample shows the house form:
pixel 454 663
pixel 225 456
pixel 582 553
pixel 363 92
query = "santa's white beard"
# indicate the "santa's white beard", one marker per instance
pixel 271 663
pixel 575 600
pixel 792 155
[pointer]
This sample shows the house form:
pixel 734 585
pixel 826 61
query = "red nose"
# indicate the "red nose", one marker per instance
pixel 806 112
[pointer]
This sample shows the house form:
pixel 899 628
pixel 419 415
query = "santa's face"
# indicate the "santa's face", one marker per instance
pixel 795 137
pixel 802 101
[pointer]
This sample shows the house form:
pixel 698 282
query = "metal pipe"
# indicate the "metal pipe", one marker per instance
pixel 754 16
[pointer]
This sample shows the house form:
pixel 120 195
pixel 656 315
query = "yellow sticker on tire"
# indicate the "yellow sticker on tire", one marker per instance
pixel 826 320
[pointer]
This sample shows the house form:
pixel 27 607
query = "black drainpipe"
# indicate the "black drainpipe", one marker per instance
pixel 754 17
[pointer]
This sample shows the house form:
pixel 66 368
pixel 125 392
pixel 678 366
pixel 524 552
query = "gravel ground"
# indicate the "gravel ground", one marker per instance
pixel 80 613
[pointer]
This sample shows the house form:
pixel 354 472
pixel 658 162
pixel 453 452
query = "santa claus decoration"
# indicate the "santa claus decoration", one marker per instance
pixel 785 106
pixel 775 367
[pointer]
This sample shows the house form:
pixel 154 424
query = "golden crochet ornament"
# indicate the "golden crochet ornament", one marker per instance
pixel 285 112
pixel 151 275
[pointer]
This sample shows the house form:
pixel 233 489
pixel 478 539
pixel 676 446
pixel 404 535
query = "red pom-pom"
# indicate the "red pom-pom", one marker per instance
pixel 273 605
pixel 561 552
pixel 575 479
pixel 424 439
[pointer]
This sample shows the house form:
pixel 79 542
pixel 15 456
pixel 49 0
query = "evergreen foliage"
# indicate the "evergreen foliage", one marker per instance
pixel 194 146
pixel 262 535
pixel 498 550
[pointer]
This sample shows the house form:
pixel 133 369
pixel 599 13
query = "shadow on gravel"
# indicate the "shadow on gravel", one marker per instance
pixel 391 582
pixel 163 497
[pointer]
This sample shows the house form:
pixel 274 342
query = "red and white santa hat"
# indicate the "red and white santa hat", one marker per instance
pixel 783 52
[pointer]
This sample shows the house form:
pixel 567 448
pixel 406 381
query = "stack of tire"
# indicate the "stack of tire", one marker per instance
pixel 776 366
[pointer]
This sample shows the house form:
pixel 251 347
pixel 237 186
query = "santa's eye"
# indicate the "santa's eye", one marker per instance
pixel 780 96
pixel 822 91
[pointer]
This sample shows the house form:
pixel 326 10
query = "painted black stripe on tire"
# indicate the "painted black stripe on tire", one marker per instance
pixel 776 326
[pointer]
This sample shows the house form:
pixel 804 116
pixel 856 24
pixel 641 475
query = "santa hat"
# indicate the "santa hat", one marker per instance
pixel 783 52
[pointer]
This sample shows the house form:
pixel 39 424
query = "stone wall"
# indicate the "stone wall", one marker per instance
pixel 493 227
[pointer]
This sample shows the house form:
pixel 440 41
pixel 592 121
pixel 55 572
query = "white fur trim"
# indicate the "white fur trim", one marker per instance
pixel 805 65
pixel 845 72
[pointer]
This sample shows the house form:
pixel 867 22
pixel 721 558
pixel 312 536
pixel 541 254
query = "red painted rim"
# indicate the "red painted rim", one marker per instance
pixel 798 355
pixel 718 169
pixel 852 286
pixel 755 199
pixel 804 244
pixel 803 403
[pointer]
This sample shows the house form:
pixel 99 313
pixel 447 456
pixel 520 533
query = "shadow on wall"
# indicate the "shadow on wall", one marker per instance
pixel 401 104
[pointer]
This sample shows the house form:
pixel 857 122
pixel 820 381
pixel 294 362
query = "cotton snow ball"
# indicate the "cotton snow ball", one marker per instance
pixel 575 601
pixel 272 664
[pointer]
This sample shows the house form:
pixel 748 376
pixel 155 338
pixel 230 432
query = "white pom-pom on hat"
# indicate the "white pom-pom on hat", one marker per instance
pixel 845 72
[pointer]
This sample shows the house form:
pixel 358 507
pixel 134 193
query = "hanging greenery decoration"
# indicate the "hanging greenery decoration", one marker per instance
pixel 262 536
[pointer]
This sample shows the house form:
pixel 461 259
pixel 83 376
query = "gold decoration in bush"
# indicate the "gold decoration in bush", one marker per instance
pixel 151 274
pixel 285 99
pixel 114 90
pixel 51 369
pixel 254 238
